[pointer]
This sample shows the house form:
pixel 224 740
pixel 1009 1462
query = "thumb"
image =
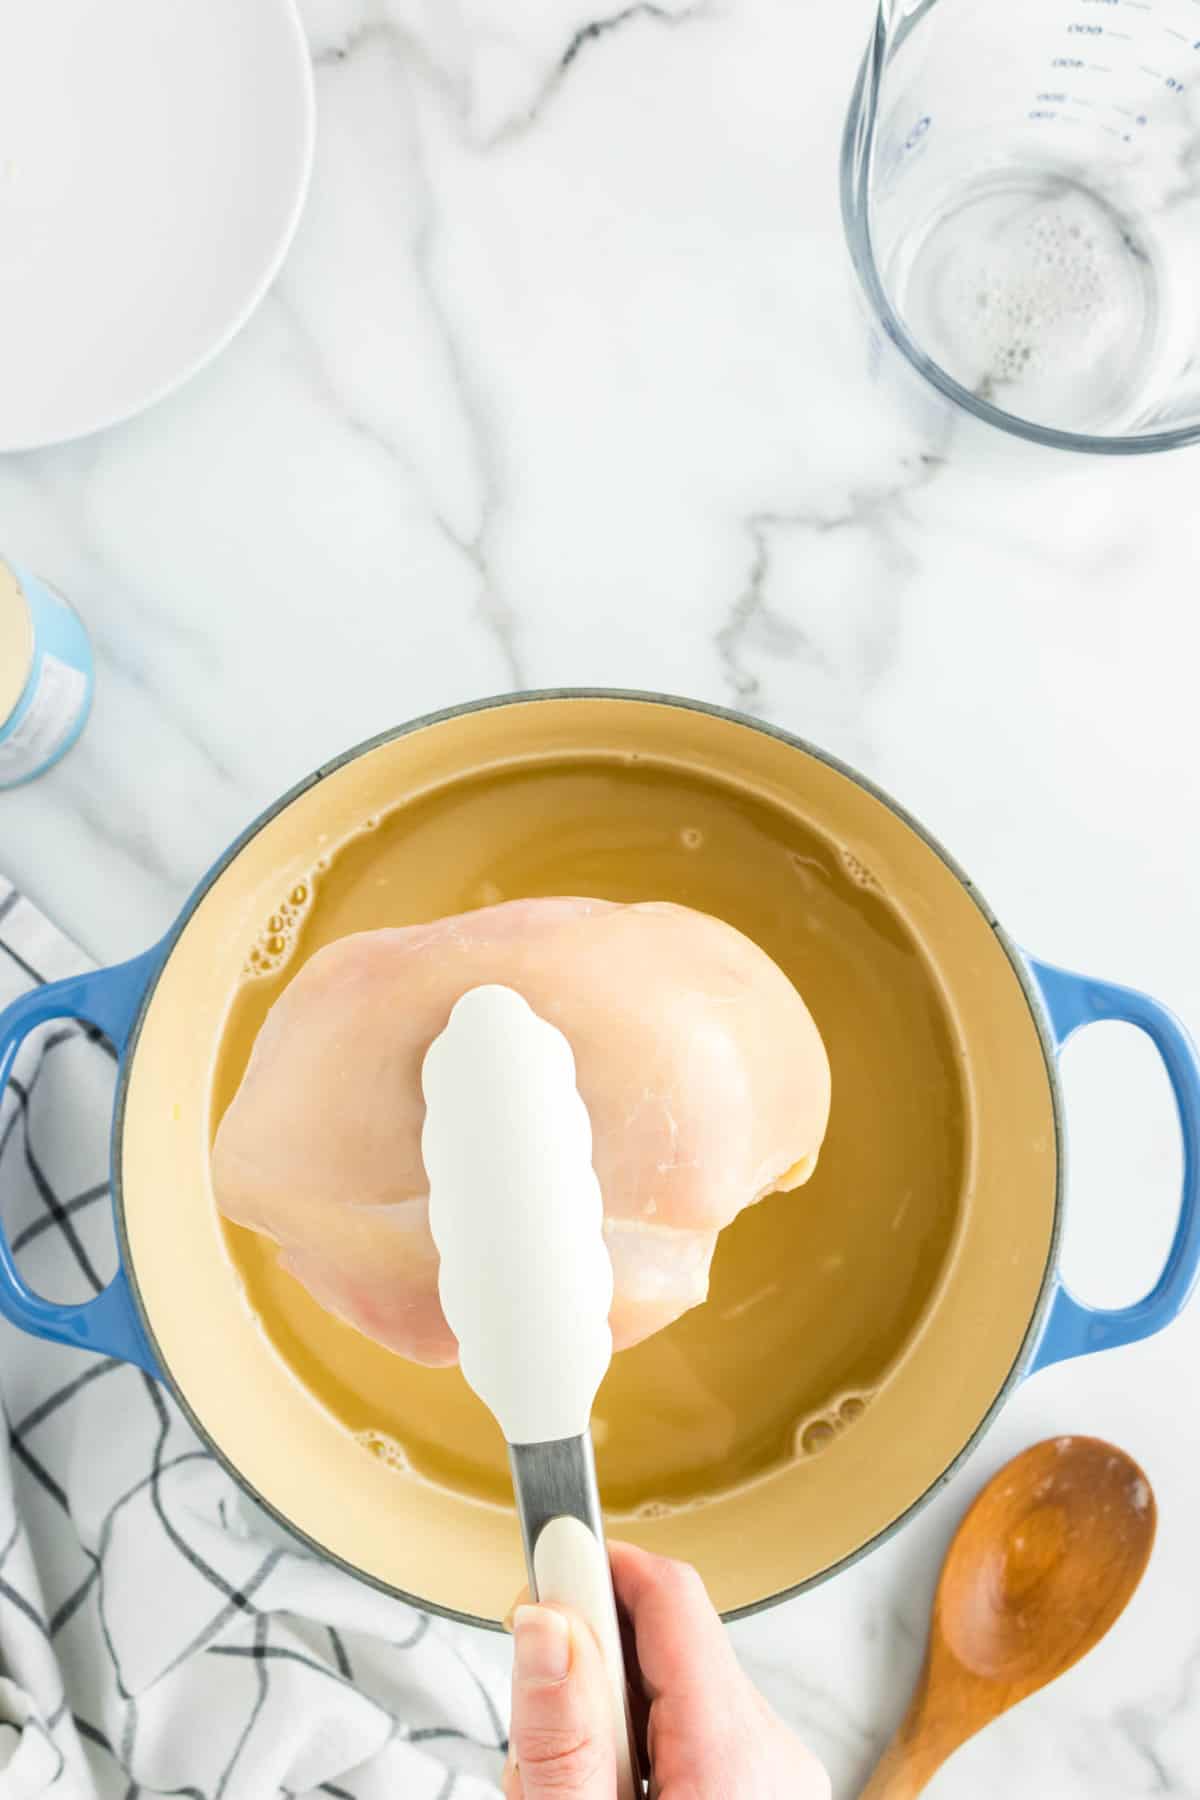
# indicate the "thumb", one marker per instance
pixel 561 1739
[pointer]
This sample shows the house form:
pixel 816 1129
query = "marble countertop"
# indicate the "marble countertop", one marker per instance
pixel 564 382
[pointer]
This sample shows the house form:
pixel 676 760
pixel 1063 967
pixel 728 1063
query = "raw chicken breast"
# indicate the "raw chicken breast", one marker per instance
pixel 705 1078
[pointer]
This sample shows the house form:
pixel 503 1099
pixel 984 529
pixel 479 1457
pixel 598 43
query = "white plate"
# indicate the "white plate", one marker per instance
pixel 154 156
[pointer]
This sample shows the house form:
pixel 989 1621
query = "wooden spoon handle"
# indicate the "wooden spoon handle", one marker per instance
pixel 905 1769
pixel 940 1717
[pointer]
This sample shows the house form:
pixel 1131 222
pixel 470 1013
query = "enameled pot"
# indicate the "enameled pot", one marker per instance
pixel 1000 1312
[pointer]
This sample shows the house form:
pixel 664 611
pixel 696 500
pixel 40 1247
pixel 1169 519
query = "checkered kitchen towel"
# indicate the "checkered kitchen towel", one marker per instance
pixel 158 1635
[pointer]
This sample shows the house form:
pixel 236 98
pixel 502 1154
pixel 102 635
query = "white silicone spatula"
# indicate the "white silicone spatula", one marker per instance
pixel 526 1286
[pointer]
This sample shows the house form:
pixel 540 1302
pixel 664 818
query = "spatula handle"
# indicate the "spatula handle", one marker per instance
pixel 562 1526
pixel 570 1568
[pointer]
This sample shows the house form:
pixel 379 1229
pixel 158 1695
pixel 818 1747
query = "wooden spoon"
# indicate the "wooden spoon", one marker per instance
pixel 1045 1561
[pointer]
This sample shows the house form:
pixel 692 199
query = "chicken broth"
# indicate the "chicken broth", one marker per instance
pixel 814 1294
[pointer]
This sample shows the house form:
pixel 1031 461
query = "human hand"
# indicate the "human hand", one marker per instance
pixel 711 1735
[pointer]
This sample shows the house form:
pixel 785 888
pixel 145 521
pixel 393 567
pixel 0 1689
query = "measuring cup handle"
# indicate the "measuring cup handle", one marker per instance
pixel 108 999
pixel 1073 1329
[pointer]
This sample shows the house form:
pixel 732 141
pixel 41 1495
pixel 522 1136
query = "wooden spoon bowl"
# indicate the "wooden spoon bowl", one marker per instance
pixel 1045 1561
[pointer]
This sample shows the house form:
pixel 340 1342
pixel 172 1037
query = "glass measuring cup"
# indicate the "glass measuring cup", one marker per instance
pixel 1020 189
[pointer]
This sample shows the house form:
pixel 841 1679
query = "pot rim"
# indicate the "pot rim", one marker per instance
pixel 519 697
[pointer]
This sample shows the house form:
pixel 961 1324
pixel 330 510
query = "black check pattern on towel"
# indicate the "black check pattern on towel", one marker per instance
pixel 158 1634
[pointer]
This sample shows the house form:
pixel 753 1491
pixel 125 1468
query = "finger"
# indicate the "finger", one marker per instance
pixel 676 1629
pixel 709 1730
pixel 562 1733
pixel 639 1701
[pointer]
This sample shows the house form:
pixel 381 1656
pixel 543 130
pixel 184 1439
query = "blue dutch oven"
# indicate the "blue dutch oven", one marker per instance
pixel 1001 1312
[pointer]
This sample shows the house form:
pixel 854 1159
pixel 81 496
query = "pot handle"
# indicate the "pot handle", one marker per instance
pixel 108 999
pixel 1073 1329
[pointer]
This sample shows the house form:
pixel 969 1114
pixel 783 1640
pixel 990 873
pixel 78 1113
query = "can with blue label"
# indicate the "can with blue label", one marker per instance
pixel 45 676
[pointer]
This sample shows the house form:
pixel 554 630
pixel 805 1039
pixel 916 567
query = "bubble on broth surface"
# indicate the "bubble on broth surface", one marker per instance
pixel 654 1509
pixel 691 838
pixel 814 1434
pixel 280 933
pixel 385 1449
pixel 859 873
pixel 814 1437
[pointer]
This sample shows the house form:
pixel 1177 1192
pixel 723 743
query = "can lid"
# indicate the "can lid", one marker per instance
pixel 16 643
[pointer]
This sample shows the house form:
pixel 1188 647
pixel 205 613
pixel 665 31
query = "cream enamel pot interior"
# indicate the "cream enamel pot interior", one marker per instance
pixel 999 1313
